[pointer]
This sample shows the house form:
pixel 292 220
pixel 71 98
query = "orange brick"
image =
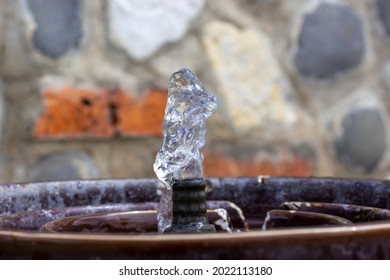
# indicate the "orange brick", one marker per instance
pixel 74 112
pixel 219 166
pixel 140 116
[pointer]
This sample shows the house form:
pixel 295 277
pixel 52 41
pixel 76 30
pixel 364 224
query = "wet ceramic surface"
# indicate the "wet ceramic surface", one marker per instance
pixel 254 196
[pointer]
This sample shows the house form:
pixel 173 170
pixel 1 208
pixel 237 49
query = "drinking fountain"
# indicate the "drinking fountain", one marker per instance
pixel 182 215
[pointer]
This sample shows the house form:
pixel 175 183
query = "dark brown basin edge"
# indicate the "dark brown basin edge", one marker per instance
pixel 364 241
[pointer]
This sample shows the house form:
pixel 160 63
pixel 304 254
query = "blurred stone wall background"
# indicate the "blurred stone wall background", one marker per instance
pixel 304 85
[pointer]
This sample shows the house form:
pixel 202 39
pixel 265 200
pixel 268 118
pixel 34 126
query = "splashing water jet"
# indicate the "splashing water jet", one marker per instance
pixel 179 162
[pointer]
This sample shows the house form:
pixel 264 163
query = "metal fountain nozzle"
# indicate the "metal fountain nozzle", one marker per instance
pixel 189 207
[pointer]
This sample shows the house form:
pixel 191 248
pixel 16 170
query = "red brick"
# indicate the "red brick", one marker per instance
pixel 220 165
pixel 74 112
pixel 77 112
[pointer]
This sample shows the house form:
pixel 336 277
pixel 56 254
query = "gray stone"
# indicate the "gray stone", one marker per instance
pixel 330 41
pixel 361 134
pixel 142 27
pixel 58 25
pixel 63 166
pixel 362 144
pixel 383 7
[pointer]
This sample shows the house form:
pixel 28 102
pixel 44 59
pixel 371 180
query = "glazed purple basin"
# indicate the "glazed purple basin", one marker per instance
pixel 254 195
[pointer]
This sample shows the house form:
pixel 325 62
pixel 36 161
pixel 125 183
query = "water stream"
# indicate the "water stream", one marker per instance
pixel 189 105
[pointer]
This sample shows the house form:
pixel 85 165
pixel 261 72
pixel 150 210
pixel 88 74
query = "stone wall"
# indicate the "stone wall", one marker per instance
pixel 304 85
